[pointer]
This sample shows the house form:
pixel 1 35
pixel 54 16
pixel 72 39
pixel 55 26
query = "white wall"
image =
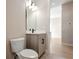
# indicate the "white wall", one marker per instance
pixel 15 17
pixel 55 21
pixel 67 23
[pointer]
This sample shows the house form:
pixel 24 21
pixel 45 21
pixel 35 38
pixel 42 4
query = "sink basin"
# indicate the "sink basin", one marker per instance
pixel 36 32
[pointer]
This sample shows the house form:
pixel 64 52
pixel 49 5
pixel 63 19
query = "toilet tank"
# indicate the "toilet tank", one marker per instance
pixel 17 44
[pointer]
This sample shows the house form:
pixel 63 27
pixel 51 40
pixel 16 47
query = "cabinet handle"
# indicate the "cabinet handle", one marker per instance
pixel 42 41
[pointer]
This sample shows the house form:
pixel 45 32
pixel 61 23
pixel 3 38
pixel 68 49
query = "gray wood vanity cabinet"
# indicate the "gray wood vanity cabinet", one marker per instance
pixel 36 42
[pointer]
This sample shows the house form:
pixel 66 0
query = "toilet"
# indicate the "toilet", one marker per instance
pixel 18 47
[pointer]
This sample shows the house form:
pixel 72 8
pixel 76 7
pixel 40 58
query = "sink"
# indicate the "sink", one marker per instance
pixel 36 32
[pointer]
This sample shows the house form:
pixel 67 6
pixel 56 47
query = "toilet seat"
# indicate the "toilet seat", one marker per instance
pixel 29 53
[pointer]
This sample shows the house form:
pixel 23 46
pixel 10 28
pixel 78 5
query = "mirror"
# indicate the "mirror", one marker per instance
pixel 31 15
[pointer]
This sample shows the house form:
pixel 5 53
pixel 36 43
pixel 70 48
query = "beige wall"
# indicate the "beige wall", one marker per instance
pixel 15 17
pixel 67 23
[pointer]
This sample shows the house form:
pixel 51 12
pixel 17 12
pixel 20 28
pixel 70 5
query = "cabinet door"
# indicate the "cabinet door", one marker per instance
pixel 28 38
pixel 41 39
pixel 34 42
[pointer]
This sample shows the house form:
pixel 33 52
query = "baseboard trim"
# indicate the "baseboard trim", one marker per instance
pixel 67 44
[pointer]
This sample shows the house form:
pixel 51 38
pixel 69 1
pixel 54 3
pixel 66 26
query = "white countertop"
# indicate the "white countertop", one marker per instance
pixel 36 32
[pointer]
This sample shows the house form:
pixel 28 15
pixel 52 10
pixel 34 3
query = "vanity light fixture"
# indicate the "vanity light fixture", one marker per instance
pixel 28 3
pixel 35 8
pixel 31 5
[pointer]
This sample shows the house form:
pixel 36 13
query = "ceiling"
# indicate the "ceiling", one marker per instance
pixel 54 3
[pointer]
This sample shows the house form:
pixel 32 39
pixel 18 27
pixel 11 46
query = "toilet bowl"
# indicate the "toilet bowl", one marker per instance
pixel 18 47
pixel 27 54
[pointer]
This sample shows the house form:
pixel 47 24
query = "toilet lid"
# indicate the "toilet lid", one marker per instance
pixel 29 53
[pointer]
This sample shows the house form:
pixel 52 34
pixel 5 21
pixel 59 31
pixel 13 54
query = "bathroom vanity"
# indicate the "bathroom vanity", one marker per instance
pixel 36 41
pixel 35 36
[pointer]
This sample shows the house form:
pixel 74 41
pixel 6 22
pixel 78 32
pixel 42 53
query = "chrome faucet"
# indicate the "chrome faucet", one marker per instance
pixel 33 30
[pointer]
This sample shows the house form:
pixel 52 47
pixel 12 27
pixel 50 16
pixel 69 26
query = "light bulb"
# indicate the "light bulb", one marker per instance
pixel 28 3
pixel 31 6
pixel 35 8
